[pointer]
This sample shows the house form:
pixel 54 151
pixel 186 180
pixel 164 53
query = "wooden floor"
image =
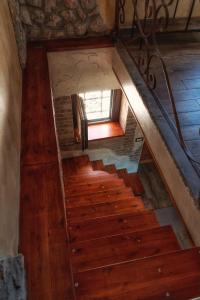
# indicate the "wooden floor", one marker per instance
pixel 183 64
pixel 43 237
pixel 104 131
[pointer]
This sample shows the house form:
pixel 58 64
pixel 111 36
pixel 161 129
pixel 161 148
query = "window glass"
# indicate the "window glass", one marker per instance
pixel 97 105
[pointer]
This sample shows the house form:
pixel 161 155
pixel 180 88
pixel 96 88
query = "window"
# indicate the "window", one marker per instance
pixel 97 105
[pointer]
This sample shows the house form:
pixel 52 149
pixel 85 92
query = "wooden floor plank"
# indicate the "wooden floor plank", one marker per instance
pixel 100 197
pixel 105 209
pixel 92 229
pixel 92 188
pixel 38 132
pixel 120 248
pixel 43 236
pixel 164 275
pixel 84 179
pixel 42 230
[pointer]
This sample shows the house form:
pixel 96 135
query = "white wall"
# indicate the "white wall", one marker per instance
pixel 73 72
pixel 10 115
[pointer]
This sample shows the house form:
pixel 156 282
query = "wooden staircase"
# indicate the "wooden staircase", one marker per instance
pixel 118 250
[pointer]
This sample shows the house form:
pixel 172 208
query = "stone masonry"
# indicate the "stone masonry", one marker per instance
pixel 54 19
pixel 12 278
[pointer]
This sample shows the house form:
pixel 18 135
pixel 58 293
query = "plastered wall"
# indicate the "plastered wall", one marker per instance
pixel 10 114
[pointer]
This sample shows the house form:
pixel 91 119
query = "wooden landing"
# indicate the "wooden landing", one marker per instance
pixel 43 236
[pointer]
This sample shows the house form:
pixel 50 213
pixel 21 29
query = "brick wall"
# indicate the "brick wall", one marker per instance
pixel 64 121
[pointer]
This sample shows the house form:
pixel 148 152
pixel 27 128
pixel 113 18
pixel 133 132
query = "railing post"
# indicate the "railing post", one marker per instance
pixel 119 15
pixel 116 29
pixel 190 15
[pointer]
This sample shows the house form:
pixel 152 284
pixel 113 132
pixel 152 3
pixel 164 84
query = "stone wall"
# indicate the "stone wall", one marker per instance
pixel 12 278
pixel 52 19
pixel 17 12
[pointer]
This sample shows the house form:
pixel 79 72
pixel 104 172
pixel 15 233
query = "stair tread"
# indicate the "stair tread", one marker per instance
pixel 97 165
pixel 111 169
pixel 93 172
pixel 174 275
pixel 120 248
pixel 109 183
pixel 91 178
pixel 132 180
pixel 118 193
pixel 105 209
pixel 94 188
pixel 106 226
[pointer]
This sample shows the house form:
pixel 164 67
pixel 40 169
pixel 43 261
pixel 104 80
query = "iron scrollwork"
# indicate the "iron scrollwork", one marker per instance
pixel 121 8
pixel 156 19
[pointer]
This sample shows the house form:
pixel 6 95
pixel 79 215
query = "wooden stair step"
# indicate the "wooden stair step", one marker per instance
pixel 89 177
pixel 85 180
pixel 132 180
pixel 121 172
pixel 105 209
pixel 101 197
pixel 175 275
pixel 97 165
pixel 76 165
pixel 120 248
pixel 77 161
pixel 110 169
pixel 106 226
pixel 93 188
pixel 95 184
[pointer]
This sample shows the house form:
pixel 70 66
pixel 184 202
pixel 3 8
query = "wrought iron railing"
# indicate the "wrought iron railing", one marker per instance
pixel 150 18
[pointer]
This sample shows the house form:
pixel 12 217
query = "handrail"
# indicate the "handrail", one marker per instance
pixel 156 20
